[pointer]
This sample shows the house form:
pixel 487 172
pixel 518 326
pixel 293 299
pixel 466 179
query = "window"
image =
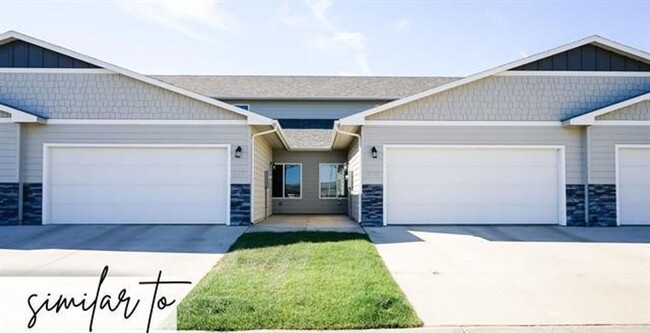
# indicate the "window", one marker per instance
pixel 287 180
pixel 332 181
pixel 246 107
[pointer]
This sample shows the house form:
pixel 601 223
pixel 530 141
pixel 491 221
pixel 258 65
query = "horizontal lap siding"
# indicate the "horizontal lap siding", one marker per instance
pixel 378 136
pixel 101 96
pixel 525 98
pixel 8 153
pixel 310 202
pixel 36 135
pixel 602 152
pixel 354 173
pixel 263 158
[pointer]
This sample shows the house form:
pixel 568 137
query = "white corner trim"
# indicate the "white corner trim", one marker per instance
pixel 57 70
pixel 461 123
pixel 45 211
pixel 143 122
pixel 359 118
pixel 590 118
pixel 253 118
pixel 562 219
pixel 18 116
pixel 574 73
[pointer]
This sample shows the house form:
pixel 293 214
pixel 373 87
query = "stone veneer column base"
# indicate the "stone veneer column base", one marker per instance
pixel 32 203
pixel 240 204
pixel 372 205
pixel 602 205
pixel 575 205
pixel 8 203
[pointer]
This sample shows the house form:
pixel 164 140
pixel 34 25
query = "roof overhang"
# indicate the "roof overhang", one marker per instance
pixel 253 118
pixel 19 116
pixel 359 118
pixel 589 118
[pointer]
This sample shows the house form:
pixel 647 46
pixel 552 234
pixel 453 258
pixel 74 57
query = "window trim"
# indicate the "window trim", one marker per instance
pixel 319 183
pixel 284 183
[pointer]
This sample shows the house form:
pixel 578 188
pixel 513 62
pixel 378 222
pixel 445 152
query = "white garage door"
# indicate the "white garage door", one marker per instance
pixel 634 185
pixel 136 184
pixel 474 185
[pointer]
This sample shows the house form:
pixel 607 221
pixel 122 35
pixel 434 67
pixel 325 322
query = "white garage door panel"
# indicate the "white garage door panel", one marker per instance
pixel 159 184
pixel 438 185
pixel 634 185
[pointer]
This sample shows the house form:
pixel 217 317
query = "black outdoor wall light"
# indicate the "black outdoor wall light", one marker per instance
pixel 374 152
pixel 238 152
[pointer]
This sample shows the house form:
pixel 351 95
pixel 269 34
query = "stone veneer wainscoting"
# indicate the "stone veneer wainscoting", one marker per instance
pixel 8 203
pixel 240 204
pixel 602 205
pixel 32 203
pixel 372 205
pixel 575 205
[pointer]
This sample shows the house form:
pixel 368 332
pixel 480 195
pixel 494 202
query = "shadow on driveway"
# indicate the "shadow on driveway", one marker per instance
pixel 625 234
pixel 208 239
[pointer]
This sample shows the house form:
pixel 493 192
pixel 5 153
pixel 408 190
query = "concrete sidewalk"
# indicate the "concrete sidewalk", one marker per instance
pixel 288 223
pixel 482 329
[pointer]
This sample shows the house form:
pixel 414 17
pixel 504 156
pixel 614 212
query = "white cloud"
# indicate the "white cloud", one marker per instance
pixel 318 8
pixel 291 18
pixel 402 24
pixel 193 18
pixel 336 39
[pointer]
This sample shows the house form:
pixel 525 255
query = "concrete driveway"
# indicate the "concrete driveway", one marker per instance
pixel 521 275
pixel 184 252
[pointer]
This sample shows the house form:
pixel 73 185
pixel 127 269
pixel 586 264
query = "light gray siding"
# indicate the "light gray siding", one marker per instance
pixel 262 204
pixel 602 152
pixel 354 179
pixel 638 111
pixel 526 98
pixel 8 153
pixel 36 135
pixel 308 109
pixel 101 96
pixel 310 202
pixel 378 136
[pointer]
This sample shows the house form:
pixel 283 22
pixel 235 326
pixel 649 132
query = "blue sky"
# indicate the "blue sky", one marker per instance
pixel 453 38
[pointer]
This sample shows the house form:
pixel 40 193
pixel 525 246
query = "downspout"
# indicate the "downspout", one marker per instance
pixel 19 167
pixel 274 130
pixel 360 151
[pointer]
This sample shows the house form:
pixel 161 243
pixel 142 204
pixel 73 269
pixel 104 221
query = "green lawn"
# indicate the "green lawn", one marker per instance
pixel 297 280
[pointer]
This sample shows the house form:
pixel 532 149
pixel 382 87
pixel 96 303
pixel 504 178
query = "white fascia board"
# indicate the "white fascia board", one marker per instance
pixel 590 118
pixel 18 116
pixel 254 119
pixel 461 123
pixel 359 118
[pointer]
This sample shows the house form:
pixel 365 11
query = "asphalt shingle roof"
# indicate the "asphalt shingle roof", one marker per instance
pixel 305 87
pixel 308 138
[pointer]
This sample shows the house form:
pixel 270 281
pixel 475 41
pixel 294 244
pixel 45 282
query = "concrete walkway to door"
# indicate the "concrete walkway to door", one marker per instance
pixel 284 223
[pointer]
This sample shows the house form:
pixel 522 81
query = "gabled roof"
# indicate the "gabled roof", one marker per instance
pixel 19 116
pixel 253 118
pixel 267 87
pixel 359 118
pixel 590 117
